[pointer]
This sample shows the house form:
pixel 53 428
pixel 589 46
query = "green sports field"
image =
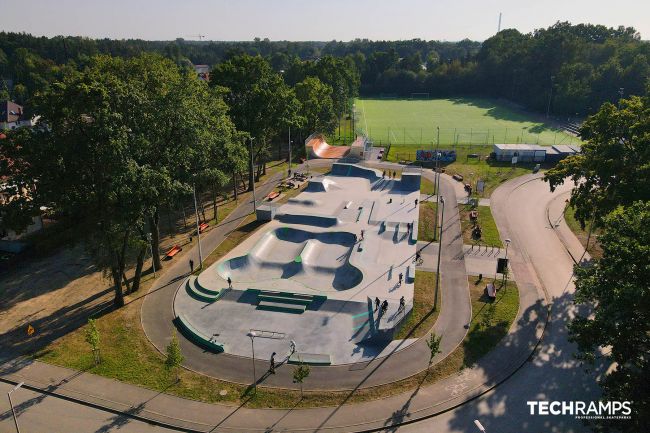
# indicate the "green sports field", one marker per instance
pixel 409 125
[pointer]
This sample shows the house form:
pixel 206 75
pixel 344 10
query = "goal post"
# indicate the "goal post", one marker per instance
pixel 421 95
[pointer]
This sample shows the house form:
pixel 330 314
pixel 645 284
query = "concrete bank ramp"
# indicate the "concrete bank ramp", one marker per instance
pixel 321 184
pixel 354 170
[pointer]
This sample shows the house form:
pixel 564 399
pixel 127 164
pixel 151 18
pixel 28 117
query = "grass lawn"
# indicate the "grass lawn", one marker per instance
pixel 461 121
pixel 594 248
pixel 423 316
pixel 427 187
pixel 490 233
pixel 426 221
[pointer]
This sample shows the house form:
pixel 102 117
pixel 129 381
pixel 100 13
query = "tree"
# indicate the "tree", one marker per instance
pixel 434 346
pixel 92 338
pixel 316 105
pixel 300 373
pixel 616 292
pixel 174 357
pixel 260 102
pixel 612 168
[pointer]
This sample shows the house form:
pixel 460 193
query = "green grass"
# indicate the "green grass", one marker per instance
pixel 426 221
pixel 411 125
pixel 594 248
pixel 427 187
pixel 490 233
pixel 423 316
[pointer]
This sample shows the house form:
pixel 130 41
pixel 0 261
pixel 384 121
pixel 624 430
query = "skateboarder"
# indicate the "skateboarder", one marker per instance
pixel 418 257
pixel 229 283
pixel 384 307
pixel 377 303
pixel 292 347
pixel 416 202
pixel 362 233
pixel 402 304
pixel 272 364
pixel 191 266
pixel 400 276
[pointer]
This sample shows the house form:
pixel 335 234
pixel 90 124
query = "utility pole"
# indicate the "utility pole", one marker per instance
pixel 253 166
pixel 499 28
pixel 435 299
pixel 198 231
pixel 289 150
pixel 505 273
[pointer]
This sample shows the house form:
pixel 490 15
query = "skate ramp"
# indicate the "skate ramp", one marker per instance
pixel 319 261
pixel 354 170
pixel 318 148
pixel 410 182
pixel 321 184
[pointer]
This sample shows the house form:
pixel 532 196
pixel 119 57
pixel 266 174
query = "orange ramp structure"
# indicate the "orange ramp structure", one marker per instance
pixel 317 147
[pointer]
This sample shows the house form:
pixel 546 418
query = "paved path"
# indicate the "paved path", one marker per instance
pixel 497 366
pixel 403 361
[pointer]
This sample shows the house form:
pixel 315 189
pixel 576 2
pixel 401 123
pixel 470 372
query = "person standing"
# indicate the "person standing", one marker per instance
pixel 292 347
pixel 402 304
pixel 377 303
pixel 384 307
pixel 229 283
pixel 272 364
pixel 400 276
pixel 191 266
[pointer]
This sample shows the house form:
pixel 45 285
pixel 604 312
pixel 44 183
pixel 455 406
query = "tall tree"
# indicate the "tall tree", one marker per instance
pixel 613 167
pixel 316 106
pixel 260 102
pixel 616 324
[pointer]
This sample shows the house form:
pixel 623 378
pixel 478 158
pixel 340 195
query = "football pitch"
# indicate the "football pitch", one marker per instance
pixel 409 125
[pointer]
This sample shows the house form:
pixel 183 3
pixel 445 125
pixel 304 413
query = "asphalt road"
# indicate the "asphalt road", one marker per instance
pixel 520 207
pixel 39 413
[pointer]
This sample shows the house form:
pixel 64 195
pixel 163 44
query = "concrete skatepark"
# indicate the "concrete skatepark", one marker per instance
pixel 309 275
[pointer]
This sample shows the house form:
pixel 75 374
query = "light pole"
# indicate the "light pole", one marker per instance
pixel 153 262
pixel 253 168
pixel 505 271
pixel 550 96
pixel 11 404
pixel 252 335
pixel 290 151
pixel 437 184
pixel 435 299
pixel 479 426
pixel 198 229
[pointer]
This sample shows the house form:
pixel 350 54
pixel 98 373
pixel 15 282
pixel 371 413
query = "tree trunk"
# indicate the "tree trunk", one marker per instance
pixel 138 270
pixel 118 301
pixel 126 282
pixel 214 205
pixel 154 221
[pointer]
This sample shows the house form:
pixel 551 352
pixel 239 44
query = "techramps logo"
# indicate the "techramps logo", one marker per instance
pixel 583 409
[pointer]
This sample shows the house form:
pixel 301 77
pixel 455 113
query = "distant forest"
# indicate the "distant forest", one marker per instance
pixel 565 69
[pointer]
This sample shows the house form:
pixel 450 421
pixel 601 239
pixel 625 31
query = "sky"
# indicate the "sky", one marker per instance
pixel 300 20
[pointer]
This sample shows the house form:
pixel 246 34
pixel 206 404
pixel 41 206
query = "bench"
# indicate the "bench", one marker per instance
pixel 310 359
pixel 197 337
pixel 272 195
pixel 173 251
pixel 282 307
pixel 203 226
pixel 410 274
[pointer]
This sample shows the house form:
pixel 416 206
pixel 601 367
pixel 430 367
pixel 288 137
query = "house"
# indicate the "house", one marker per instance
pixel 12 116
pixel 523 152
pixel 203 71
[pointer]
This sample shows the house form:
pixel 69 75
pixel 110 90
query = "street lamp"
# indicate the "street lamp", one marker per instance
pixel 198 228
pixel 11 404
pixel 437 183
pixel 505 273
pixel 253 168
pixel 252 335
pixel 153 262
pixel 435 299
pixel 479 426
